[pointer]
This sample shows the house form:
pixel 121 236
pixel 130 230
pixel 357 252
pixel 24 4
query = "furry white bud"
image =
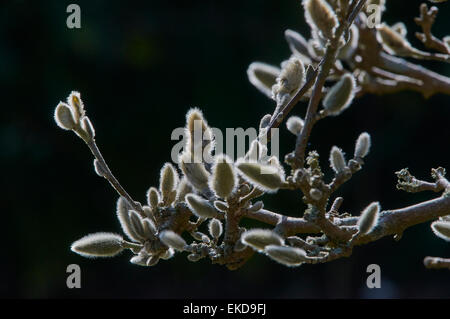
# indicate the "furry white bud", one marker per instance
pixel 319 14
pixel 169 253
pixel 362 146
pixel 136 225
pixel 152 261
pixel 149 228
pixel 256 151
pixel 195 173
pixel 337 159
pixel 153 197
pixel 392 41
pixel 215 228
pixel 64 117
pixel 99 170
pixel 98 245
pixel 220 206
pixel 288 256
pixel 298 44
pixel 223 179
pixel 368 218
pixel 290 79
pixel 200 141
pixel 183 189
pixel 295 124
pixel 140 260
pixel 258 239
pixel 266 177
pixel 74 100
pixel 265 121
pixel 168 182
pixel 263 76
pixel 124 218
pixel 87 127
pixel 441 229
pixel 340 96
pixel 349 48
pixel 200 207
pixel 172 239
pixel 205 239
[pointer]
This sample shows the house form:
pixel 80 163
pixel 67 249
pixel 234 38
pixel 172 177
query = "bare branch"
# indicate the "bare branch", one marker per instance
pixel 436 262
pixel 324 70
pixel 426 21
pixel 112 179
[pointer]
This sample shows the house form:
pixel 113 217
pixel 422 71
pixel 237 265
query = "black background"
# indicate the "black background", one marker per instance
pixel 139 67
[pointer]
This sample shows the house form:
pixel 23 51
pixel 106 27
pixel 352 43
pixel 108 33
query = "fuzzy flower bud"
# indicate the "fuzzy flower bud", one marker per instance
pixel 256 151
pixel 319 14
pixel 288 256
pixel 362 145
pixel 153 197
pixel 215 228
pixel 441 229
pixel 223 180
pixel 200 136
pixel 295 124
pixel 392 41
pixel 74 100
pixel 337 159
pixel 258 239
pixel 183 189
pixel 349 48
pixel 99 170
pixel 368 218
pixel 220 206
pixel 195 173
pixel 98 245
pixel 172 239
pixel 87 127
pixel 124 219
pixel 289 80
pixel 200 207
pixel 266 177
pixel 64 117
pixel 263 76
pixel 298 44
pixel 340 96
pixel 168 182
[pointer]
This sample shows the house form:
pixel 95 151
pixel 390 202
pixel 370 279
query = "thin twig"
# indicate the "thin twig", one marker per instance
pixel 111 178
pixel 436 262
pixel 426 21
pixel 324 70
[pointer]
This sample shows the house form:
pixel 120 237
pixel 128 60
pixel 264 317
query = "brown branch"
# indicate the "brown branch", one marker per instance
pixel 393 74
pixel 393 222
pixel 409 183
pixel 279 116
pixel 390 222
pixel 108 175
pixel 432 82
pixel 436 262
pixel 327 63
pixel 380 86
pixel 294 225
pixel 426 21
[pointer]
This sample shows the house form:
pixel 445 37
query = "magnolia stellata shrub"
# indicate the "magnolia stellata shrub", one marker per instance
pixel 344 57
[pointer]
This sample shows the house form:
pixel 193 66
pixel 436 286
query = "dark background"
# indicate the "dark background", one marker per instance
pixel 139 67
